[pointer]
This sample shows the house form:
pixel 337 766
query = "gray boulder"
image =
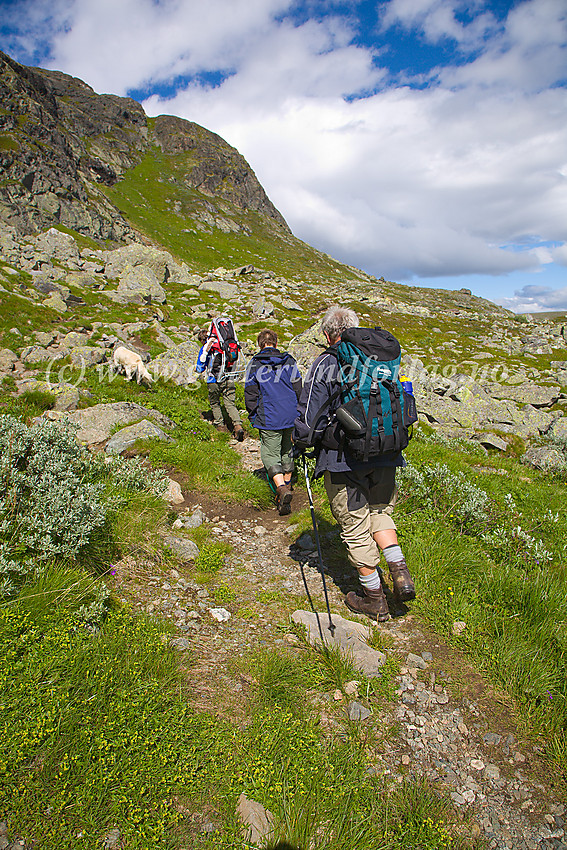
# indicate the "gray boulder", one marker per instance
pixel 56 245
pixel 307 346
pixel 66 395
pixel 124 439
pixel 221 287
pixel 138 285
pixel 86 355
pixel 525 393
pixel 177 364
pixel 183 547
pixel 545 458
pixel 7 360
pixel 35 354
pixel 55 302
pixel 96 424
pixel 558 430
pixel 85 280
pixel 349 637
pixel 492 441
pixel 134 256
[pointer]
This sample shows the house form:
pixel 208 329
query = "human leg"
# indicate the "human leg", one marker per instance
pixel 214 402
pixel 270 452
pixel 383 495
pixel 229 396
pixel 349 506
pixel 287 454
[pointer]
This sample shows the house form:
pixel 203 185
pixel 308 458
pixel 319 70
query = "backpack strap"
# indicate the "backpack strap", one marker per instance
pixel 372 414
pixel 321 410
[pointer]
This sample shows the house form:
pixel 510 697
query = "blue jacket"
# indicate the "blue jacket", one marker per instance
pixel 206 362
pixel 271 389
pixel 315 413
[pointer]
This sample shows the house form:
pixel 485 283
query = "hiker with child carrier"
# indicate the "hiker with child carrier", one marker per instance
pixel 272 388
pixel 356 415
pixel 218 358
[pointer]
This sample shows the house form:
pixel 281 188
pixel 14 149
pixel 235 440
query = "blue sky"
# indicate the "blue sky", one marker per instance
pixel 422 140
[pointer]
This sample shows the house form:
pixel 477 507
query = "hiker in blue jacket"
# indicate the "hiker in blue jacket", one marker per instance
pixel 271 391
pixel 362 494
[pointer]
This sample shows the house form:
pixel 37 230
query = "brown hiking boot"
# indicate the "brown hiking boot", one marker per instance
pixel 283 499
pixel 373 604
pixel 239 434
pixel 404 587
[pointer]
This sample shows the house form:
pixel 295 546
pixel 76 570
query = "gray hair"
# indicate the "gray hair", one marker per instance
pixel 338 319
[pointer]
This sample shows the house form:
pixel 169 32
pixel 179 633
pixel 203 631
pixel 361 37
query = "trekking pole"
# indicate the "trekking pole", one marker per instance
pixel 331 625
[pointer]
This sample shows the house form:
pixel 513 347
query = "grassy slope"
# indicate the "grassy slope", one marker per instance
pixel 155 198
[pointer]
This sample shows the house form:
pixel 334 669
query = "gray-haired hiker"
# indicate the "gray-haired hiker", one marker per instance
pixel 271 390
pixel 358 450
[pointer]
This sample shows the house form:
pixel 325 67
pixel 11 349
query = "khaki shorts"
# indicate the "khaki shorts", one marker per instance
pixel 362 503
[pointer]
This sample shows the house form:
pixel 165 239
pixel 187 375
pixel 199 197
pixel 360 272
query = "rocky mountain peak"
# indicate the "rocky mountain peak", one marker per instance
pixel 61 143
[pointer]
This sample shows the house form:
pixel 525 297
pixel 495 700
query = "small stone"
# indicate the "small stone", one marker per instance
pixel 220 614
pixel 351 689
pixel 306 543
pixel 181 644
pixel 477 764
pixel 337 696
pixel 257 820
pixel 173 493
pixel 427 656
pixel 260 530
pixel 491 739
pixel 110 841
pixel 416 661
pixel 491 771
pixel 458 627
pixel 442 699
pixel 405 759
pixel 356 711
pixel 462 729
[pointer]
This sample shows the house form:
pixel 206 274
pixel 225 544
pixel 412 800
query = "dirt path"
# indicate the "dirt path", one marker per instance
pixel 452 728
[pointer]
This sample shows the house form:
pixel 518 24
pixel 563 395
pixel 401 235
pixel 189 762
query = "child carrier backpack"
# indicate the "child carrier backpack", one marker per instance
pixel 376 412
pixel 225 347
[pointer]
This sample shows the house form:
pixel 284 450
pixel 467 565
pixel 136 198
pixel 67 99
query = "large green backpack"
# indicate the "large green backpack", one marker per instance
pixel 375 412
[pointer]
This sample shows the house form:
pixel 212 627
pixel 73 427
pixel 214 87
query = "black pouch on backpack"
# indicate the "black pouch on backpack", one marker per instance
pixel 410 409
pixel 351 417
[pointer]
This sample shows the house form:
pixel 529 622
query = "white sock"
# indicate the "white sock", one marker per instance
pixel 371 582
pixel 393 554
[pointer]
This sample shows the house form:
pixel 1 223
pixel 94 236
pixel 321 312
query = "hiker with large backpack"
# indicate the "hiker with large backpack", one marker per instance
pixel 272 387
pixel 218 358
pixel 355 413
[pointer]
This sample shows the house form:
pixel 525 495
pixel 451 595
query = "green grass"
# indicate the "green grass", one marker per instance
pixel 98 733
